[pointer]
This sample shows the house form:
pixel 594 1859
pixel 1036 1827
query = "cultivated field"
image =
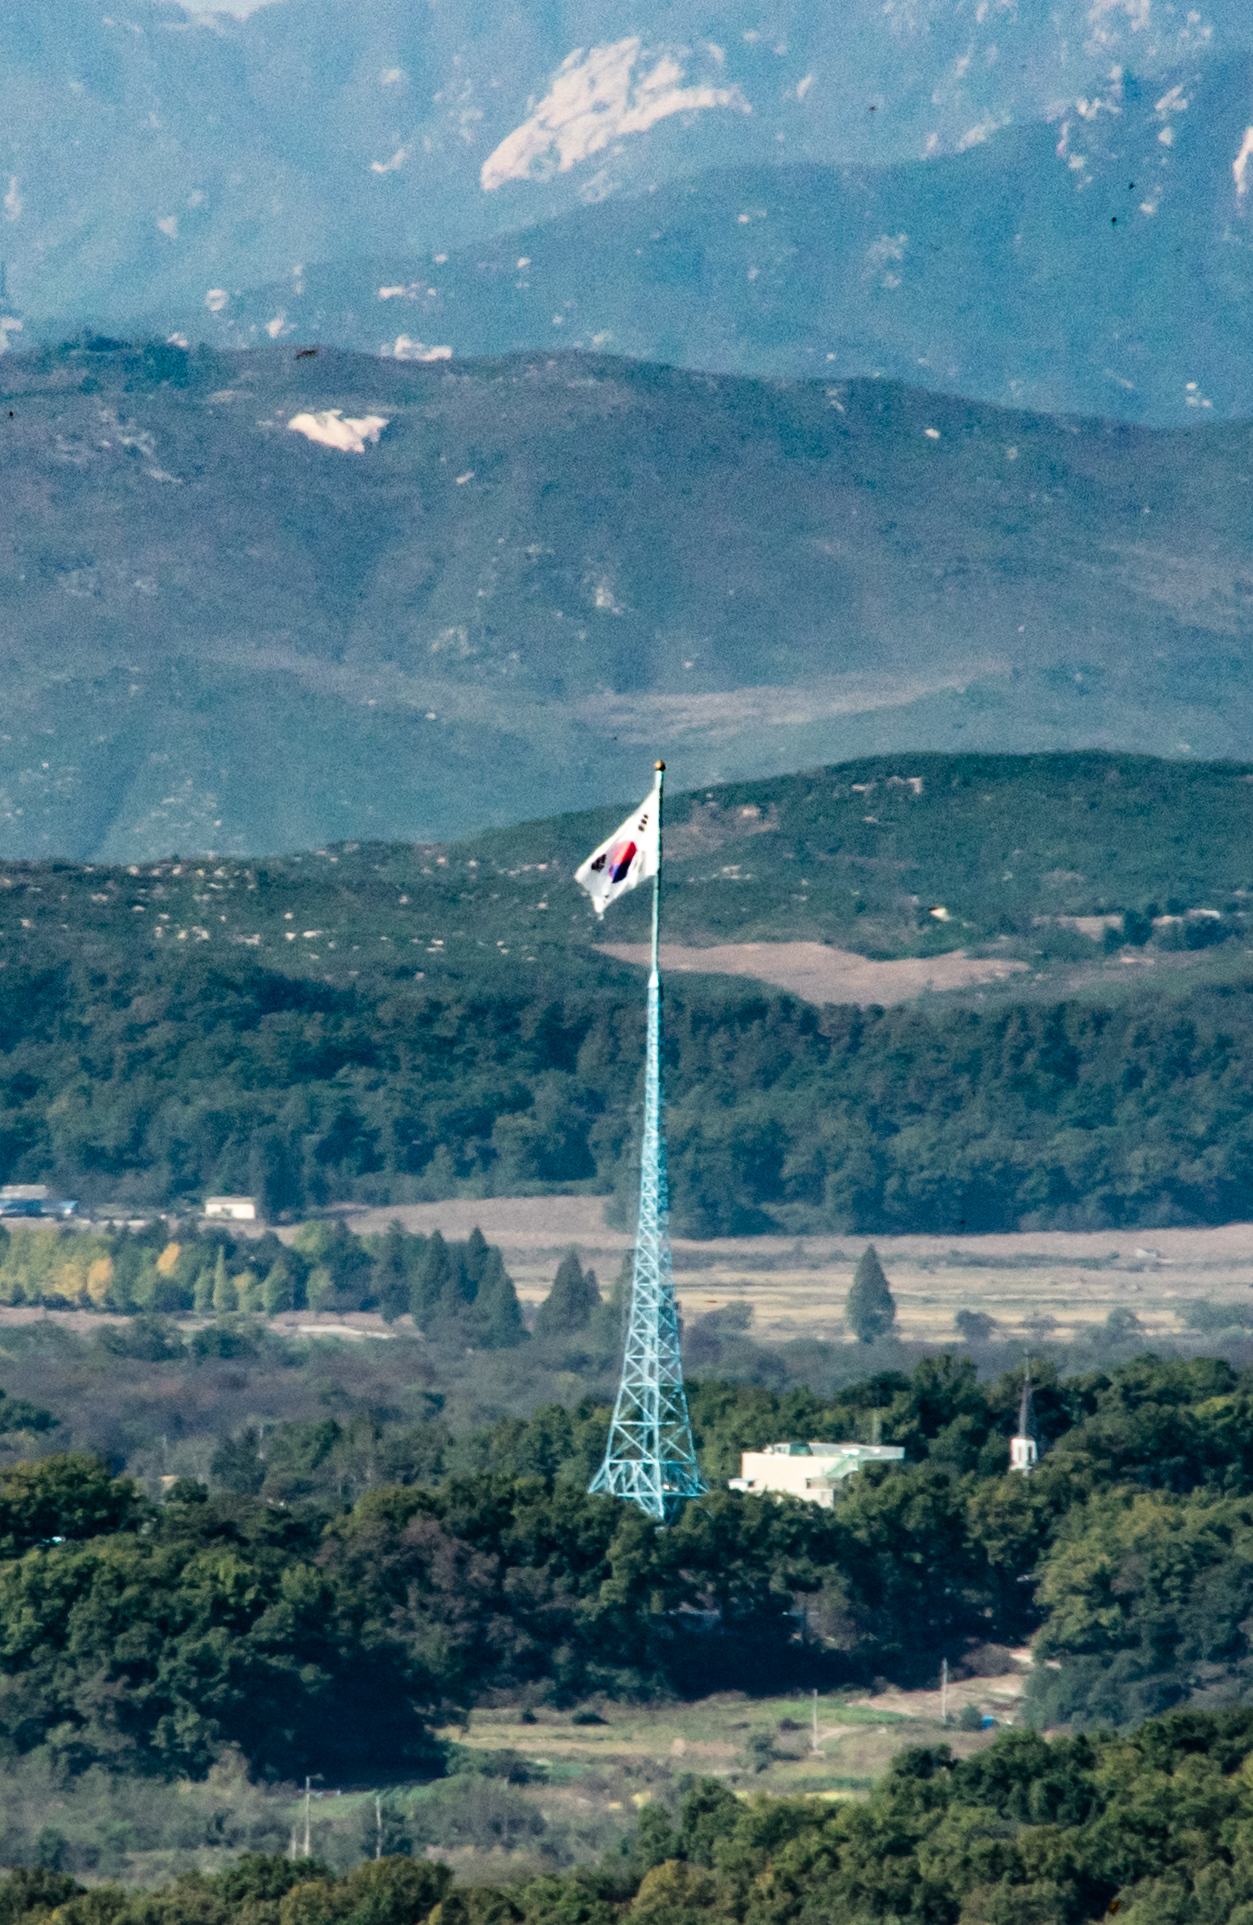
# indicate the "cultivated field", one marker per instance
pixel 722 1736
pixel 818 972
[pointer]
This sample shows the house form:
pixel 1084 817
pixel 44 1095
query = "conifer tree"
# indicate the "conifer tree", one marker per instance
pixel 277 1293
pixel 430 1285
pixel 569 1304
pixel 224 1297
pixel 608 1323
pixel 475 1258
pixel 274 1175
pixel 460 1286
pixel 248 1291
pixel 320 1289
pixel 870 1309
pixel 496 1317
pixel 391 1272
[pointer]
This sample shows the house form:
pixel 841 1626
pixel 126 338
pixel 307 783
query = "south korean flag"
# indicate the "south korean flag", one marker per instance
pixel 629 856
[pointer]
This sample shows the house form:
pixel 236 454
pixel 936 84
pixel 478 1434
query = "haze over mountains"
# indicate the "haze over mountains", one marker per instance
pixel 976 199
pixel 222 634
pixel 491 578
pixel 1081 267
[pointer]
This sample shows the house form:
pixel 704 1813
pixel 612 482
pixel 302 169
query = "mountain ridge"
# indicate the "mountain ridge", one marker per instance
pixel 157 155
pixel 219 634
pixel 959 272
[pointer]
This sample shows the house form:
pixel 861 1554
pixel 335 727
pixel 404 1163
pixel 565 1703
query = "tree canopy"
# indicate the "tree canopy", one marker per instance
pixel 337 1592
pixel 163 1086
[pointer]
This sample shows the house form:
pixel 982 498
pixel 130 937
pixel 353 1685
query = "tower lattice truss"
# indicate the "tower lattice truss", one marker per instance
pixel 650 1458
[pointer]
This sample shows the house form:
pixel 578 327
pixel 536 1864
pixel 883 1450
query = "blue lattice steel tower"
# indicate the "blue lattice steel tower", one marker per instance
pixel 650 1459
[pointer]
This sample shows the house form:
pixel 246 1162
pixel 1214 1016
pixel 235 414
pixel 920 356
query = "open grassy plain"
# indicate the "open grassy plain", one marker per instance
pixel 1036 1284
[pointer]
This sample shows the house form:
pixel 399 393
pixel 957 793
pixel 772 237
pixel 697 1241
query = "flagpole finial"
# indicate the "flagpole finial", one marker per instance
pixel 659 765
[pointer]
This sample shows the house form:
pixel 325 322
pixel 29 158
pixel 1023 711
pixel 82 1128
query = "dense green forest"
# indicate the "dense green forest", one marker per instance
pixel 1154 1828
pixel 329 1613
pixel 340 1589
pixel 1079 1114
pixel 394 1025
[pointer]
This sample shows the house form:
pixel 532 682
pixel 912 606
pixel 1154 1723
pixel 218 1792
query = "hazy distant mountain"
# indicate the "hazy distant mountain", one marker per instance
pixel 267 601
pixel 154 158
pixel 1101 265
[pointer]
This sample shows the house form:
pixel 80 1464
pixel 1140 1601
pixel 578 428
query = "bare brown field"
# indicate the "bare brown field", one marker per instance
pixel 797 1286
pixel 819 973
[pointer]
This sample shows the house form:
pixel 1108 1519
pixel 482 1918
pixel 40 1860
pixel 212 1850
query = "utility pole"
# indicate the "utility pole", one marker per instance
pixel 944 1692
pixel 308 1795
pixel 650 1458
pixel 378 1825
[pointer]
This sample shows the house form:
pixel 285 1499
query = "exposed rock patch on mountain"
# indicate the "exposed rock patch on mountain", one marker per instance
pixel 1101 263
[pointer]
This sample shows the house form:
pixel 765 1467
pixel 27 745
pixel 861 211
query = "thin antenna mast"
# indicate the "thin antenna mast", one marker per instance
pixel 650 1459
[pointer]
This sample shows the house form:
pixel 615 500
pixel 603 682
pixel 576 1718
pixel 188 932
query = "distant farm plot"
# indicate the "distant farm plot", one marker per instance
pixel 818 973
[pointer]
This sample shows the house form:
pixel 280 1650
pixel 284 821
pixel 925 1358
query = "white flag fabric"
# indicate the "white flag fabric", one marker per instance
pixel 630 855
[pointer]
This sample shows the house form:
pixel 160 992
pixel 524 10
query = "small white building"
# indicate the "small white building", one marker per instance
pixel 237 1209
pixel 813 1471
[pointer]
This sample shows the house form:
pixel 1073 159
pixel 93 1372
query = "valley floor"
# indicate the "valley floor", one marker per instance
pixel 796 1286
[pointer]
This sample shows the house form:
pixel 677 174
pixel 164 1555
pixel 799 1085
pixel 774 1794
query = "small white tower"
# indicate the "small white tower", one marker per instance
pixel 1022 1445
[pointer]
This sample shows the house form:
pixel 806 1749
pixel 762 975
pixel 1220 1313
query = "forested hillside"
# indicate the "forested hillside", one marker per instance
pixel 1011 847
pixel 331 1620
pixel 164 1086
pixel 392 1024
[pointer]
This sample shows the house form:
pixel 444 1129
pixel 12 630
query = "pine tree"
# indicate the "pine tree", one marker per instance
pixel 320 1289
pixel 391 1273
pixel 202 1292
pixel 569 1304
pixel 248 1291
pixel 870 1309
pixel 224 1297
pixel 275 1176
pixel 475 1258
pixel 607 1326
pixel 276 1292
pixel 460 1286
pixel 496 1317
pixel 431 1282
